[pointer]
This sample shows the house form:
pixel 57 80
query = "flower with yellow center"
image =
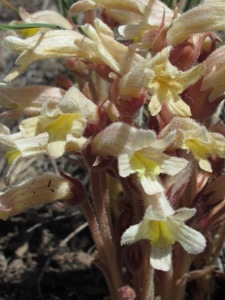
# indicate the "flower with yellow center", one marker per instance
pixel 196 139
pixel 155 14
pixel 16 147
pixel 139 152
pixel 98 46
pixel 148 162
pixel 102 47
pixel 140 15
pixel 163 229
pixel 204 144
pixel 162 80
pixel 70 117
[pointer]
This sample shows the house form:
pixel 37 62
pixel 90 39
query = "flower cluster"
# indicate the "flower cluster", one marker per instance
pixel 139 112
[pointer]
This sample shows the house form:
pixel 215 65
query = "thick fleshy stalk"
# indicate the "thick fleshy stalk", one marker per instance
pixel 103 214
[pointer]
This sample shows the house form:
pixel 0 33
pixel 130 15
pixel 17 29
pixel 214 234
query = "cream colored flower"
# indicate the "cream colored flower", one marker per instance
pixel 35 191
pixel 196 139
pixel 139 152
pixel 98 46
pixel 27 100
pixel 154 15
pixel 141 13
pixel 137 6
pixel 70 117
pixel 204 18
pixel 102 44
pixel 16 146
pixel 163 230
pixel 163 81
pixel 43 45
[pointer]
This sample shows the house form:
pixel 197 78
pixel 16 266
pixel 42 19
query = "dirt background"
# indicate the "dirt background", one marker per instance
pixel 45 253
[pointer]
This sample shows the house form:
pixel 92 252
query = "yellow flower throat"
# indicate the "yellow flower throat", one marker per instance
pixel 159 230
pixel 144 166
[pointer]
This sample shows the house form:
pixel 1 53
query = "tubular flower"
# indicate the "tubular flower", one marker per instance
pixel 163 81
pixel 197 139
pixel 163 230
pixel 101 43
pixel 200 19
pixel 154 16
pixel 40 190
pixel 98 47
pixel 16 145
pixel 214 74
pixel 70 117
pixel 28 99
pixel 43 45
pixel 128 5
pixel 141 14
pixel 141 154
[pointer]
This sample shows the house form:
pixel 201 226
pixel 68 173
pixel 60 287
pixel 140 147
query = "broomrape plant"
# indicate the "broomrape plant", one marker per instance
pixel 140 114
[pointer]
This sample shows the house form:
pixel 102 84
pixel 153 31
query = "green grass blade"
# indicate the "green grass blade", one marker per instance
pixel 28 25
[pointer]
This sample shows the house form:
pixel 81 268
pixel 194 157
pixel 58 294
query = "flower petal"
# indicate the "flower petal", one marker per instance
pixel 191 240
pixel 184 214
pixel 179 108
pixel 132 235
pixel 124 165
pixel 173 165
pixel 152 214
pixel 137 6
pixel 150 185
pixel 161 255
